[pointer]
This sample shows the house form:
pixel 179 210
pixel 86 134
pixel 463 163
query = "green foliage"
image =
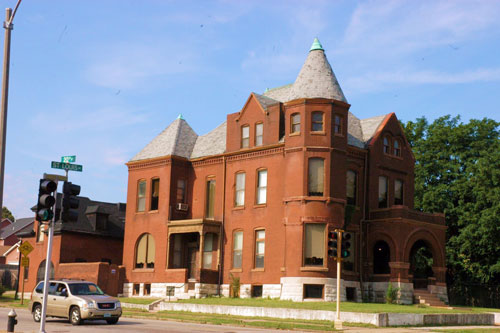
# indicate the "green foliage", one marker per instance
pixel 457 172
pixel 6 213
pixel 234 286
pixel 391 294
pixel 422 263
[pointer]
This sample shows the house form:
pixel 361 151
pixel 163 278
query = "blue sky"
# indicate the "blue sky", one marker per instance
pixel 100 79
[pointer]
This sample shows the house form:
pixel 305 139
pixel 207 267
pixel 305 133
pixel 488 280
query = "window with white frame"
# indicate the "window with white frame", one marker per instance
pixel 260 245
pixel 239 197
pixel 245 136
pixel 259 134
pixel 261 187
pixel 237 249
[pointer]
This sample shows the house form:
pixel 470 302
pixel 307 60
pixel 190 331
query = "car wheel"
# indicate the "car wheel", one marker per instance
pixel 112 321
pixel 74 316
pixel 37 313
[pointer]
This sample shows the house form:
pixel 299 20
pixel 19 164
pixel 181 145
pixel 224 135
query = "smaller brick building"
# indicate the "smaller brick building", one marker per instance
pixel 89 249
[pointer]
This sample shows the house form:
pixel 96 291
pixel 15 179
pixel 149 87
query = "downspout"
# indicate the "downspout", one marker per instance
pixel 221 237
pixel 362 238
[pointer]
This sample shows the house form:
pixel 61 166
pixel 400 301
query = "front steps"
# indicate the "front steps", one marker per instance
pixel 423 296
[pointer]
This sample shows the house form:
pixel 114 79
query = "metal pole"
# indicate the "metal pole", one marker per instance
pixel 338 322
pixel 47 268
pixel 5 96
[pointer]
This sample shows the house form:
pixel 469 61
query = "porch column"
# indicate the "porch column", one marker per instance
pixel 440 275
pixel 202 246
pixel 399 271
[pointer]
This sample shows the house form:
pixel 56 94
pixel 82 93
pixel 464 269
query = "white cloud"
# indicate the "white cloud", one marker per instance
pixel 392 27
pixel 377 81
pixel 130 66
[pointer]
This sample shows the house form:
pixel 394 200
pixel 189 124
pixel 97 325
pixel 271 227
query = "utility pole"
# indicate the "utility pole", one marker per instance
pixel 8 26
pixel 338 322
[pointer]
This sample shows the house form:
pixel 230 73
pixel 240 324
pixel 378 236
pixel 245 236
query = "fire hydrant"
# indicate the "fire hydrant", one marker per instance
pixel 12 321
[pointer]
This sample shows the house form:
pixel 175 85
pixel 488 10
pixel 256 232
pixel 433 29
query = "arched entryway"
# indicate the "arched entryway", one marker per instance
pixel 381 258
pixel 421 262
pixel 40 274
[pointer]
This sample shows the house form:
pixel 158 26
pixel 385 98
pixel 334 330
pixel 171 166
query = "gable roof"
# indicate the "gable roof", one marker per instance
pixel 15 227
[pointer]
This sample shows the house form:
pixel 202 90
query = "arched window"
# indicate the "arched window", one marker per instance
pixel 381 258
pixel 397 148
pixel 317 121
pixel 387 145
pixel 145 252
pixel 40 274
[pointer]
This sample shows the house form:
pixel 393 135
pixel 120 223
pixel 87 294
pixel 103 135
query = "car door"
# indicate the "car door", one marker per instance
pixel 52 301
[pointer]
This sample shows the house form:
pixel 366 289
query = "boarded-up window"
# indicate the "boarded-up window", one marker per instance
pixel 382 192
pixel 261 187
pixel 141 196
pixel 295 123
pixel 245 136
pixel 237 248
pixel 260 246
pixel 210 199
pixel 351 186
pixel 398 192
pixel 316 177
pixel 240 189
pixel 314 247
pixel 317 121
pixel 155 193
pixel 181 191
pixel 145 252
pixel 259 134
pixel 208 248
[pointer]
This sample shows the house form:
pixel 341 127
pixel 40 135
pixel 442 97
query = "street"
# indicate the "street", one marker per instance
pixel 26 324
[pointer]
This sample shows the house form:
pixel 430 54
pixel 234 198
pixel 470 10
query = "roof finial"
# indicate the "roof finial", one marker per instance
pixel 316 45
pixel 180 116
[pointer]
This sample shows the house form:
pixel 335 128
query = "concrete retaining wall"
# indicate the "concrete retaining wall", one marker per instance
pixel 377 319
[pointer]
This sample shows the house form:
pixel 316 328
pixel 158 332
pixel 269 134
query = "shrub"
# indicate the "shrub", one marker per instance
pixel 234 286
pixel 391 294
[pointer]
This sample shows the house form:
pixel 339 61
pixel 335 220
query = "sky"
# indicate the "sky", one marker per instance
pixel 99 79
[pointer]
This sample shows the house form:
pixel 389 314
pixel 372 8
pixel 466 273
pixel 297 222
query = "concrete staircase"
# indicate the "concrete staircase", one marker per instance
pixel 422 296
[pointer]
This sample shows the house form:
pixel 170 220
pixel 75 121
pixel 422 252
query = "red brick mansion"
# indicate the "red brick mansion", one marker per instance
pixel 255 199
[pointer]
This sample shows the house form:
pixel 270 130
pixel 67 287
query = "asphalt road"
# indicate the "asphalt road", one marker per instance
pixel 26 324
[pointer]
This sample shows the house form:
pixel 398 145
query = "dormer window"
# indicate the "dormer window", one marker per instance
pixel 397 148
pixel 317 121
pixel 259 134
pixel 295 123
pixel 387 145
pixel 245 136
pixel 337 125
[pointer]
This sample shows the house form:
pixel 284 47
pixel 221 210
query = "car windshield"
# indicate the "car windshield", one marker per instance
pixel 85 289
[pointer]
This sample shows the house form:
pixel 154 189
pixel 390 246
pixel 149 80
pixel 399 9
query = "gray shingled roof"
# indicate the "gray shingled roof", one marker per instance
pixel 316 79
pixel 370 125
pixel 265 101
pixel 280 93
pixel 212 143
pixel 177 139
pixel 15 227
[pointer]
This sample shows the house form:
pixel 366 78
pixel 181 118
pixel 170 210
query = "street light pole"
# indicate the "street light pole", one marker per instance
pixel 8 26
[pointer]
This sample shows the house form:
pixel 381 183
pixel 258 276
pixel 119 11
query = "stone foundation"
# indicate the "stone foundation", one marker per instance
pixel 440 291
pixel 375 292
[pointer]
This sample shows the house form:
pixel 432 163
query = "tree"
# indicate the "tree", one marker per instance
pixel 457 172
pixel 6 213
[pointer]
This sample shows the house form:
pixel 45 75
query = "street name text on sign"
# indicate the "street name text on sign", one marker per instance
pixel 67 166
pixel 68 159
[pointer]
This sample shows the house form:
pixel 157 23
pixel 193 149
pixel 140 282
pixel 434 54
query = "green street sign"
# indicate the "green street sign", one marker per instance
pixel 66 166
pixel 68 159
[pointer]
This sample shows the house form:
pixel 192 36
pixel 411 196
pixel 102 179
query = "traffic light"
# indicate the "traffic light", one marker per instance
pixel 70 203
pixel 332 244
pixel 346 244
pixel 46 200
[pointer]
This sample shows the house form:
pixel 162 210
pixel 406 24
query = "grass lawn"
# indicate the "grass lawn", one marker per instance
pixel 7 300
pixel 214 319
pixel 137 300
pixel 331 306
